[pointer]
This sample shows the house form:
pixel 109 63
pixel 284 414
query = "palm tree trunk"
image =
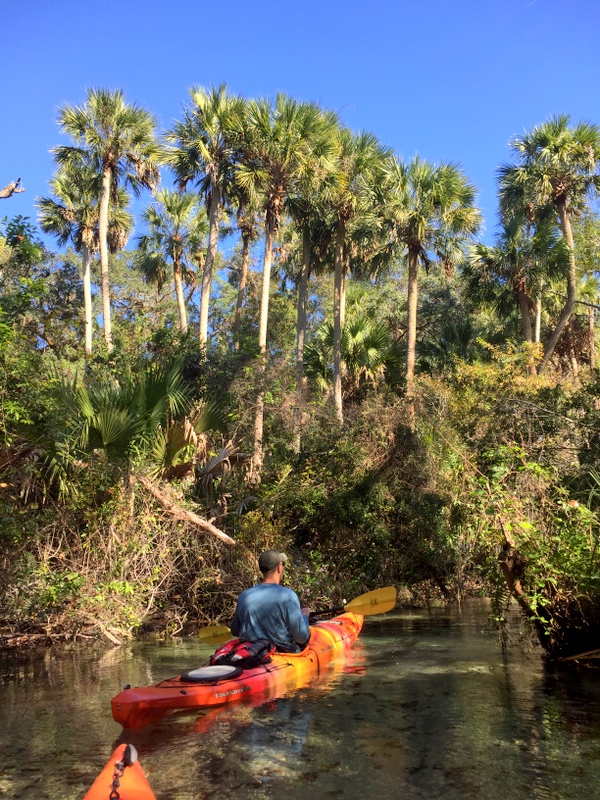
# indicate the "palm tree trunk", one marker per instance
pixel 87 297
pixel 237 323
pixel 411 330
pixel 338 318
pixel 592 338
pixel 538 317
pixel 302 304
pixel 565 314
pixel 179 294
pixel 213 237
pixel 523 302
pixel 266 288
pixel 301 335
pixel 257 459
pixel 525 317
pixel 103 236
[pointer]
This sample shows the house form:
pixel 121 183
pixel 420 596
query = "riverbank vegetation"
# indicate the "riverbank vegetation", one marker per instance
pixel 301 343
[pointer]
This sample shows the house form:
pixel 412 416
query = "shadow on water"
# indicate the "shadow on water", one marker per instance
pixel 426 705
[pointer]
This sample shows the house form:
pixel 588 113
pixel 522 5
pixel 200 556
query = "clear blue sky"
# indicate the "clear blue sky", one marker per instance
pixel 449 79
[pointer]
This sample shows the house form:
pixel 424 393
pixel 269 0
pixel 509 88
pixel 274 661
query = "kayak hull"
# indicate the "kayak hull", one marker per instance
pixel 136 707
pixel 132 783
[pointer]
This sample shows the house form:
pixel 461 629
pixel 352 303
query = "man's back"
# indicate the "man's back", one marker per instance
pixel 270 611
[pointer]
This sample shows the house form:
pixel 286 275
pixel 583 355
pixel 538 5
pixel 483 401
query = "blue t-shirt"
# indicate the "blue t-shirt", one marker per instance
pixel 270 611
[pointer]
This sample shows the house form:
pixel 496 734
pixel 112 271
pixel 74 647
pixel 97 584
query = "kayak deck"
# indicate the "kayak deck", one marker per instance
pixel 136 707
pixel 131 785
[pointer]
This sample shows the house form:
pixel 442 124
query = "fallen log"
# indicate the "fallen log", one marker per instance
pixel 173 508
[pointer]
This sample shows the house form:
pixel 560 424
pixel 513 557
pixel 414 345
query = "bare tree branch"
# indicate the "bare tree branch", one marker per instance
pixel 11 188
pixel 178 512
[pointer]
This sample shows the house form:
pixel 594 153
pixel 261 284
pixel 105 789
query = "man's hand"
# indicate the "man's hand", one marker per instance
pixel 306 611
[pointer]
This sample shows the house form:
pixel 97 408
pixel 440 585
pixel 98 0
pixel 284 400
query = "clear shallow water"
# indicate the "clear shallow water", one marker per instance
pixel 426 705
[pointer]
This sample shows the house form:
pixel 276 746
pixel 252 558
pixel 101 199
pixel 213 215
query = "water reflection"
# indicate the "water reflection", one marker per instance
pixel 426 705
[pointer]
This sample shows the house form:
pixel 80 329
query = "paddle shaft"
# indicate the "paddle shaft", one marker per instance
pixel 326 612
pixel 379 601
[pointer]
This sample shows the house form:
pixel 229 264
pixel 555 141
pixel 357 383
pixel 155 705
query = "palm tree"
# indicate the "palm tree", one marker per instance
pixel 307 204
pixel 202 152
pixel 249 227
pixel 175 223
pixel 73 214
pixel 369 354
pixel 431 213
pixel 146 416
pixel 360 167
pixel 558 169
pixel 277 150
pixel 116 141
pixel 515 269
pixel 306 251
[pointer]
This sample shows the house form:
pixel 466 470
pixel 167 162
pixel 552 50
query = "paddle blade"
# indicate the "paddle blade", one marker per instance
pixel 214 634
pixel 376 602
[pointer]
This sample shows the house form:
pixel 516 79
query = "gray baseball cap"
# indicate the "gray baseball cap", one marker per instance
pixel 270 559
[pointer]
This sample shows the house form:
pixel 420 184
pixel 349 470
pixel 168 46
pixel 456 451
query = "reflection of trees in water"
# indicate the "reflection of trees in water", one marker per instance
pixel 547 717
pixel 55 724
pixel 425 705
pixel 254 743
pixel 548 724
pixel 478 723
pixel 270 747
pixel 435 710
pixel 439 713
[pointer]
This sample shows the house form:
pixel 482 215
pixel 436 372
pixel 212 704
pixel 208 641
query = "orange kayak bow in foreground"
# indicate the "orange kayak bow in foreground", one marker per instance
pixel 211 686
pixel 122 778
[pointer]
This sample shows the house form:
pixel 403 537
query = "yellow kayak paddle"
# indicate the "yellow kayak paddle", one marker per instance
pixel 379 601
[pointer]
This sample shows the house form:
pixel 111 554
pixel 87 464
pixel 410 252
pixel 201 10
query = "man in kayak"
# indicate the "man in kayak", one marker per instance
pixel 271 611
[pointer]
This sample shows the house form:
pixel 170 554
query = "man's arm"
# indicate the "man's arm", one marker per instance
pixel 298 622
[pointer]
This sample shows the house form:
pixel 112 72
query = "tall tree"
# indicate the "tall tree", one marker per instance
pixel 174 224
pixel 360 167
pixel 72 214
pixel 276 151
pixel 249 226
pixel 587 235
pixel 558 168
pixel 432 215
pixel 307 204
pixel 201 151
pixel 117 141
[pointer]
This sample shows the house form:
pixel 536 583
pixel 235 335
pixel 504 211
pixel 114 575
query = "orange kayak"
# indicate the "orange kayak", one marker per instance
pixel 123 776
pixel 212 686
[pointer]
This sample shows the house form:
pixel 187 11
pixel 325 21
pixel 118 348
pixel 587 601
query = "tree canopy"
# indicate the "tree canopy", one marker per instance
pixel 308 344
